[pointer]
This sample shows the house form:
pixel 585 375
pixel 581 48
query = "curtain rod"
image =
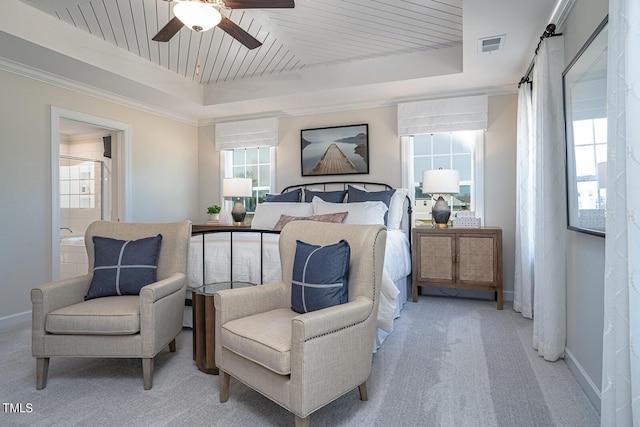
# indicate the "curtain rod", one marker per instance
pixel 549 31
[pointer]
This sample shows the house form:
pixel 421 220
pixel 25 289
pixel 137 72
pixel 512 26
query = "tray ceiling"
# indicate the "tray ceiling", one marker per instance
pixel 313 34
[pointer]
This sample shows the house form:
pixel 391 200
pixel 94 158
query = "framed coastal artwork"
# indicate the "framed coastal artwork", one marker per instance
pixel 337 150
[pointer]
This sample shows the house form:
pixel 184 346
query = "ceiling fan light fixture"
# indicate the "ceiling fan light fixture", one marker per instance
pixel 196 15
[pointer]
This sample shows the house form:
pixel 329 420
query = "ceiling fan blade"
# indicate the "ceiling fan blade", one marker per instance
pixel 260 4
pixel 235 31
pixel 169 30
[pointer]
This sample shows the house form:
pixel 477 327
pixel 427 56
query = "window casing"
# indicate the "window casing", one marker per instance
pixel 257 163
pixel 460 150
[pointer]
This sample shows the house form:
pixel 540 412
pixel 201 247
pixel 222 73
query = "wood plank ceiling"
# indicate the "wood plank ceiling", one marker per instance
pixel 313 34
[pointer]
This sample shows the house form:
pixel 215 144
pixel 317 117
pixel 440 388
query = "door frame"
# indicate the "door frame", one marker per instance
pixel 123 161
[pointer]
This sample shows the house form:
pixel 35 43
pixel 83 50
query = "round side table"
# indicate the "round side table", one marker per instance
pixel 204 324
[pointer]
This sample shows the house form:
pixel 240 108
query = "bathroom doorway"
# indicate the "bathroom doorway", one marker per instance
pixel 89 183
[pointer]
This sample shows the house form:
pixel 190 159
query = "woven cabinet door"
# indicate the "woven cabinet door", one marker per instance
pixel 476 259
pixel 437 258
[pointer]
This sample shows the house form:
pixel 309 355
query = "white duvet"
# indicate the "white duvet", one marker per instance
pixel 243 255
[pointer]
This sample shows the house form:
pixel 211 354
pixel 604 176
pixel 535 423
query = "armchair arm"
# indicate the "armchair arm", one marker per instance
pixel 54 295
pixel 49 297
pixel 161 312
pixel 158 290
pixel 331 319
pixel 232 304
pixel 331 351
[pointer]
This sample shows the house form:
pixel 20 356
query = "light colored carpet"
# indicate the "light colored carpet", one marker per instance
pixel 450 362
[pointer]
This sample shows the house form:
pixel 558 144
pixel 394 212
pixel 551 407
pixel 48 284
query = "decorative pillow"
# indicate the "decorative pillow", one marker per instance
pixel 267 214
pixel 337 217
pixel 320 276
pixel 123 267
pixel 357 195
pixel 396 209
pixel 289 196
pixel 327 196
pixel 359 213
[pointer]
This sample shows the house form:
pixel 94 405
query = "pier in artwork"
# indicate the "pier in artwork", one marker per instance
pixel 333 161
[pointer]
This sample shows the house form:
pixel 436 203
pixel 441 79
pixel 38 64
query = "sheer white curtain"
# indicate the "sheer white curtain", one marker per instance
pixel 550 223
pixel 621 342
pixel 540 235
pixel 523 283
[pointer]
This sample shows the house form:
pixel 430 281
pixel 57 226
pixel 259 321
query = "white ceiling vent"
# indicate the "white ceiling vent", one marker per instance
pixel 491 44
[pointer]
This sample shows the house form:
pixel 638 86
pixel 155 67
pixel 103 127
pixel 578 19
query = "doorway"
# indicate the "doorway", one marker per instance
pixel 89 176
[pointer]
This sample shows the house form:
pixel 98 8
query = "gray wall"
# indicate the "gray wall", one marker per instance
pixel 585 253
pixel 164 178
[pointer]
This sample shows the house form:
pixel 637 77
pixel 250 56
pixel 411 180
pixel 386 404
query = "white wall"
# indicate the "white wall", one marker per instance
pixel 385 162
pixel 384 145
pixel 585 253
pixel 500 180
pixel 164 175
pixel 209 172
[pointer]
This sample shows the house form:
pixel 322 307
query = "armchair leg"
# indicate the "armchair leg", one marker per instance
pixel 147 373
pixel 42 371
pixel 363 391
pixel 224 386
pixel 172 346
pixel 303 422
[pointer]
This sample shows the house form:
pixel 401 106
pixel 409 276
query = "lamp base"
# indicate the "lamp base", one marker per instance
pixel 238 213
pixel 441 213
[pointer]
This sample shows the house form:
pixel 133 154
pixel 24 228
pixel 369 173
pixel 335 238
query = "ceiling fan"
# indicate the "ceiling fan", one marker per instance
pixel 202 15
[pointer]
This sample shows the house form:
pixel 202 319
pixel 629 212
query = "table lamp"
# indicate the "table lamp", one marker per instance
pixel 237 187
pixel 441 181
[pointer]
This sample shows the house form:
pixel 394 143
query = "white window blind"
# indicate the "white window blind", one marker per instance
pixel 442 115
pixel 247 134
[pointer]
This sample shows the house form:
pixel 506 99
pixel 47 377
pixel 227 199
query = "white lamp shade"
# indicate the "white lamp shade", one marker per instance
pixel 441 181
pixel 197 16
pixel 237 187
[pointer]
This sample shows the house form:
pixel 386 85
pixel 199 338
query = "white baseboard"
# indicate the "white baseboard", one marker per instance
pixel 15 320
pixel 589 388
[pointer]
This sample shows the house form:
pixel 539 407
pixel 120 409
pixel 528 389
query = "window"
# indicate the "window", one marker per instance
pixel 77 184
pixel 257 163
pixel 590 138
pixel 461 151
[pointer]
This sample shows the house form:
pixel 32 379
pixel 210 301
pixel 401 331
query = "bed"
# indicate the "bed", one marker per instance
pixel 251 254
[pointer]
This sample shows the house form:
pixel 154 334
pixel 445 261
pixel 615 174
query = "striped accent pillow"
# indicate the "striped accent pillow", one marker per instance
pixel 320 276
pixel 123 267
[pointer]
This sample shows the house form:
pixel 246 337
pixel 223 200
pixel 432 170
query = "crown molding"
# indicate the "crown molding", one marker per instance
pixel 84 89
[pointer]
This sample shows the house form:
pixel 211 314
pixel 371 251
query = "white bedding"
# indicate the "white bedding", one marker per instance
pixel 247 268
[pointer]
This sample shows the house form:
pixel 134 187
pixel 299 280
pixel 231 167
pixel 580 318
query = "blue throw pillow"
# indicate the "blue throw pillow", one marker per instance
pixel 320 276
pixel 289 196
pixel 123 267
pixel 356 195
pixel 327 196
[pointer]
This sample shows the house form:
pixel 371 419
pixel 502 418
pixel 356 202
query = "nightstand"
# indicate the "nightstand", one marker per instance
pixel 196 228
pixel 466 258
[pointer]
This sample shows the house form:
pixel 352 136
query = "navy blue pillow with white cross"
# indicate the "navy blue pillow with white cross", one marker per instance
pixel 320 276
pixel 123 267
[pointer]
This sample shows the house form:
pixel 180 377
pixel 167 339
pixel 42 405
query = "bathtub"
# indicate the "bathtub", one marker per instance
pixel 73 256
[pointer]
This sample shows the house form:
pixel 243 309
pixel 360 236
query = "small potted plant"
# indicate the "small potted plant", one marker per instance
pixel 214 213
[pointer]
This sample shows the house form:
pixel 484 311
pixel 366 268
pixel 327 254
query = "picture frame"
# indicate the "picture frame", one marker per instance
pixel 335 150
pixel 584 84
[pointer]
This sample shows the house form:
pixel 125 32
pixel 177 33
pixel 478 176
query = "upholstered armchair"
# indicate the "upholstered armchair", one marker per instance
pixel 303 361
pixel 120 326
